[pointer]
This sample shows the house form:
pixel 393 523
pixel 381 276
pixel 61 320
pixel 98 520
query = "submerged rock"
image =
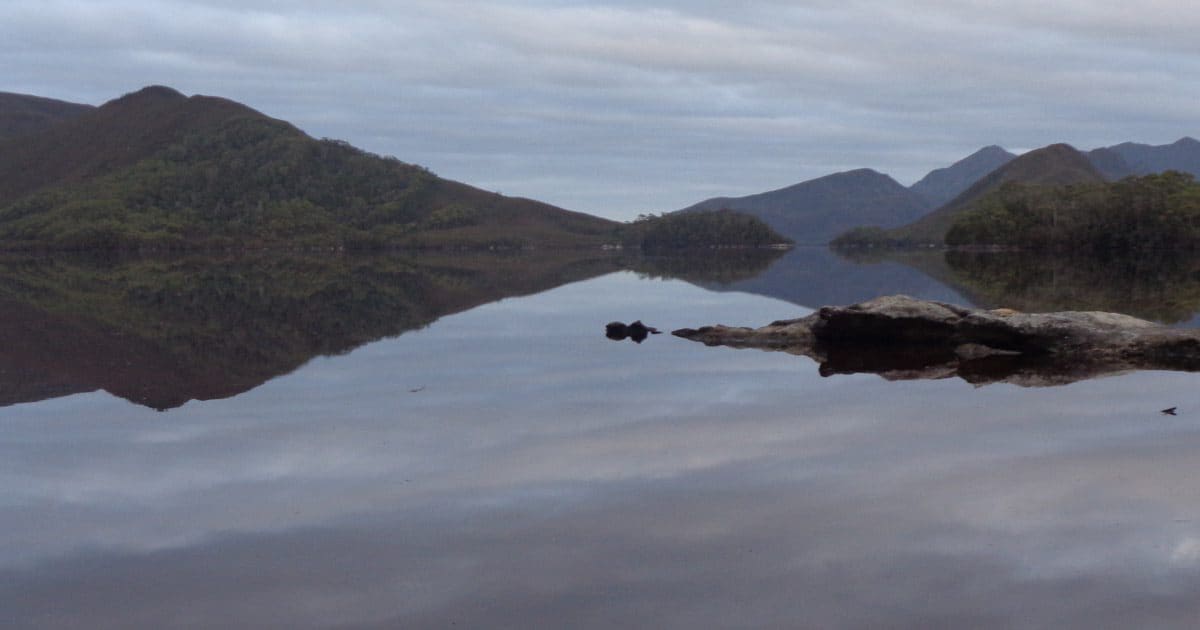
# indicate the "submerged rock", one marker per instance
pixel 900 337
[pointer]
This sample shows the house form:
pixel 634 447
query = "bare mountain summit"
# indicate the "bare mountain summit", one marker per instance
pixel 943 184
pixel 1132 158
pixel 815 211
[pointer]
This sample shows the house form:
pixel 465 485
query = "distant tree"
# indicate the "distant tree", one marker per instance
pixel 696 230
pixel 1159 211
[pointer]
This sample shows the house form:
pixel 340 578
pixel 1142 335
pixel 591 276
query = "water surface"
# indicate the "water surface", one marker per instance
pixel 504 465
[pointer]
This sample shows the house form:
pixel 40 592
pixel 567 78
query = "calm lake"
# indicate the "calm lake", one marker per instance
pixel 384 442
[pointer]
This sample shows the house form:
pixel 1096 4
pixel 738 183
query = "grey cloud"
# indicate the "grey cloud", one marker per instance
pixel 620 107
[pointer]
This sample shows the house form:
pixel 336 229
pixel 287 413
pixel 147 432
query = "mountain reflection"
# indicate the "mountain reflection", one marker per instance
pixel 1160 286
pixel 162 331
pixel 817 276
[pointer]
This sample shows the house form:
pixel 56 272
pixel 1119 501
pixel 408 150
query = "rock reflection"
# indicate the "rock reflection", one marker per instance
pixel 637 331
pixel 923 363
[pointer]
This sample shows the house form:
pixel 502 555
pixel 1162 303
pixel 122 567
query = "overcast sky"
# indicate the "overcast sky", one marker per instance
pixel 618 107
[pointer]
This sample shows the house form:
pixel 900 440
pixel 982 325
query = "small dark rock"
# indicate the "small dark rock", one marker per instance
pixel 616 331
pixel 637 331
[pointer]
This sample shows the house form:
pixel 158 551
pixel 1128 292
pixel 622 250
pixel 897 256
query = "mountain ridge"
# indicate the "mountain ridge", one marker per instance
pixel 816 210
pixel 942 190
pixel 941 185
pixel 25 114
pixel 155 168
pixel 1146 159
pixel 1056 164
pixel 104 139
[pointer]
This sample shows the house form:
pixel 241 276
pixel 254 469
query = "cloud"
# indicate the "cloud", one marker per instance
pixel 570 102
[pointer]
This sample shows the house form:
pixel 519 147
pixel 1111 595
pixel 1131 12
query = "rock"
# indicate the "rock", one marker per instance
pixel 900 337
pixel 616 330
pixel 637 331
pixel 975 351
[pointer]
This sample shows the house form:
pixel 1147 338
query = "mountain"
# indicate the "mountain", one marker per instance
pixel 116 135
pixel 1144 159
pixel 22 114
pixel 943 184
pixel 815 211
pixel 1109 163
pixel 157 169
pixel 1054 165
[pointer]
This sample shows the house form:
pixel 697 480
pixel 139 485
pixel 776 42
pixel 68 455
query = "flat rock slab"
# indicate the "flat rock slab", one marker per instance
pixel 901 337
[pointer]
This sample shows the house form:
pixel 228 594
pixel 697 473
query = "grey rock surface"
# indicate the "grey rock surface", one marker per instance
pixel 901 338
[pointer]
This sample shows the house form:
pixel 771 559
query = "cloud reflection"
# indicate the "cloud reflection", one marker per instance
pixel 559 479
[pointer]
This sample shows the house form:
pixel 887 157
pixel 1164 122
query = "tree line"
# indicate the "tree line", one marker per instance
pixel 700 230
pixel 1152 212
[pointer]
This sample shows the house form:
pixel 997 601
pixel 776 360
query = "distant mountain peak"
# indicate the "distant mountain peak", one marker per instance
pixel 1059 148
pixel 1069 165
pixel 858 174
pixel 861 171
pixel 1143 159
pixel 816 210
pixel 991 149
pixel 152 93
pixel 1055 165
pixel 943 184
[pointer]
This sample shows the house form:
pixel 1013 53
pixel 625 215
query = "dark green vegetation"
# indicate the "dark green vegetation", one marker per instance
pixel 700 230
pixel 1055 165
pixel 1153 212
pixel 866 208
pixel 815 211
pixel 159 170
pixel 1051 167
pixel 22 114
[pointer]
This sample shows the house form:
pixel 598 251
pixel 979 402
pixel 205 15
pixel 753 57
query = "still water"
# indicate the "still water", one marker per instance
pixel 496 462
